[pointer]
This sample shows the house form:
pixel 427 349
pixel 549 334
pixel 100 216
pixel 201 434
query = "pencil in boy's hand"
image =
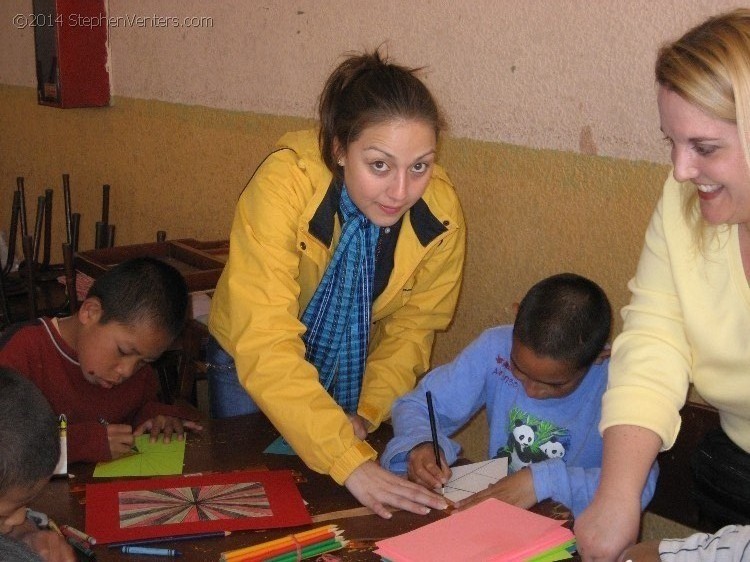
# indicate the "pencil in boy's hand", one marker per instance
pixel 433 429
pixel 105 423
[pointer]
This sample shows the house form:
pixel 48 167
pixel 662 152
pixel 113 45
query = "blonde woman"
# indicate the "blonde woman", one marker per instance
pixel 688 320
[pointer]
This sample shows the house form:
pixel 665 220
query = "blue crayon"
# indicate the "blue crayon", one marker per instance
pixel 149 551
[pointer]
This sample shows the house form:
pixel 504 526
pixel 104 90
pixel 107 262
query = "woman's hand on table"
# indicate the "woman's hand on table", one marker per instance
pixel 422 469
pixel 606 528
pixel 516 489
pixel 381 491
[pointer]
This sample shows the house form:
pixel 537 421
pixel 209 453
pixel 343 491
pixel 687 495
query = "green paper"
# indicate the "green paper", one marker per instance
pixel 152 459
pixel 552 556
pixel 562 552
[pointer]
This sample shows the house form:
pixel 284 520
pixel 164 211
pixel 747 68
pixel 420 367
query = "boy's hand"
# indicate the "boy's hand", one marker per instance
pixel 422 469
pixel 121 439
pixel 167 425
pixel 50 546
pixel 516 489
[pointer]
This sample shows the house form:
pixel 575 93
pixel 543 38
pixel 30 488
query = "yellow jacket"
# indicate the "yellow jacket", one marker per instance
pixel 283 236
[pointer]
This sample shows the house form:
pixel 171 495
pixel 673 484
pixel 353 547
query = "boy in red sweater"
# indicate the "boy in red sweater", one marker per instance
pixel 29 450
pixel 94 367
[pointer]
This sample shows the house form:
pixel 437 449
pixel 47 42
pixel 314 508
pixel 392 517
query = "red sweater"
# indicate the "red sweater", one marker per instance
pixel 38 351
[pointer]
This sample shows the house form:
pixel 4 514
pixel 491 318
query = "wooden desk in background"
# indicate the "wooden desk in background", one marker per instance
pixel 238 444
pixel 199 262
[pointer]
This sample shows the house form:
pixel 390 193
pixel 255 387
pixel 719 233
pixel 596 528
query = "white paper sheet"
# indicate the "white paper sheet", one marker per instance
pixel 471 478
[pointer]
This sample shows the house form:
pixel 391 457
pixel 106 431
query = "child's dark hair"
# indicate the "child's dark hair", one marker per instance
pixel 367 89
pixel 29 434
pixel 143 290
pixel 565 317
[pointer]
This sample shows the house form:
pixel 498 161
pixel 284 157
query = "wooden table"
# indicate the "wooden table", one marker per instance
pixel 238 444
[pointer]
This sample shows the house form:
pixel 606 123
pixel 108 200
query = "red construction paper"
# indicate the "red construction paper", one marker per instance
pixel 127 510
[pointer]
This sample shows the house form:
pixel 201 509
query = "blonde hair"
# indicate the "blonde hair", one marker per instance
pixel 709 67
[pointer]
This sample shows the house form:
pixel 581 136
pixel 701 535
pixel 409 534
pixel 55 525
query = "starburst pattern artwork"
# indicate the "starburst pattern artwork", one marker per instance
pixel 189 504
pixel 129 510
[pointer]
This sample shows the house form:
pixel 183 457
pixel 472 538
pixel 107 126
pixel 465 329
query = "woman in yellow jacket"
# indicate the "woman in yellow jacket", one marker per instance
pixel 346 254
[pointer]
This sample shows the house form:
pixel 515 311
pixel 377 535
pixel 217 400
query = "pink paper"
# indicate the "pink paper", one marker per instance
pixel 492 531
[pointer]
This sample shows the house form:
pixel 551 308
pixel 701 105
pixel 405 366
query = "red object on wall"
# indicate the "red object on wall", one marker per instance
pixel 71 40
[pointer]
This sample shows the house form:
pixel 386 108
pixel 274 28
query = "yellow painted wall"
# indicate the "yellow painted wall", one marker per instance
pixel 179 168
pixel 170 167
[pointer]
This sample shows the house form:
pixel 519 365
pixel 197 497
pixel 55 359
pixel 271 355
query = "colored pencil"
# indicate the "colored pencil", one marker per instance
pixel 287 547
pixel 288 540
pixel 310 551
pixel 302 553
pixel 195 536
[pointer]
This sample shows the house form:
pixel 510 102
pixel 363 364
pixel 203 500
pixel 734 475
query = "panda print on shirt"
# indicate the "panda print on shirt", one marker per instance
pixel 531 440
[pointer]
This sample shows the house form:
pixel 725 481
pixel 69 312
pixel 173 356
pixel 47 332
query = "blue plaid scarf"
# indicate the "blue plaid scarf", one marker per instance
pixel 338 315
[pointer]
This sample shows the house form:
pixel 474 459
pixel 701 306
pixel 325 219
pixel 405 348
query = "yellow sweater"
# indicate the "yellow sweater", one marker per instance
pixel 688 321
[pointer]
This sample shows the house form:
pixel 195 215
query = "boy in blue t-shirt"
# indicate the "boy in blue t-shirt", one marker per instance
pixel 542 387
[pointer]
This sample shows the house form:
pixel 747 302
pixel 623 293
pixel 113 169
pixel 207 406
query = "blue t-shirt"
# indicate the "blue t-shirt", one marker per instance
pixel 558 438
